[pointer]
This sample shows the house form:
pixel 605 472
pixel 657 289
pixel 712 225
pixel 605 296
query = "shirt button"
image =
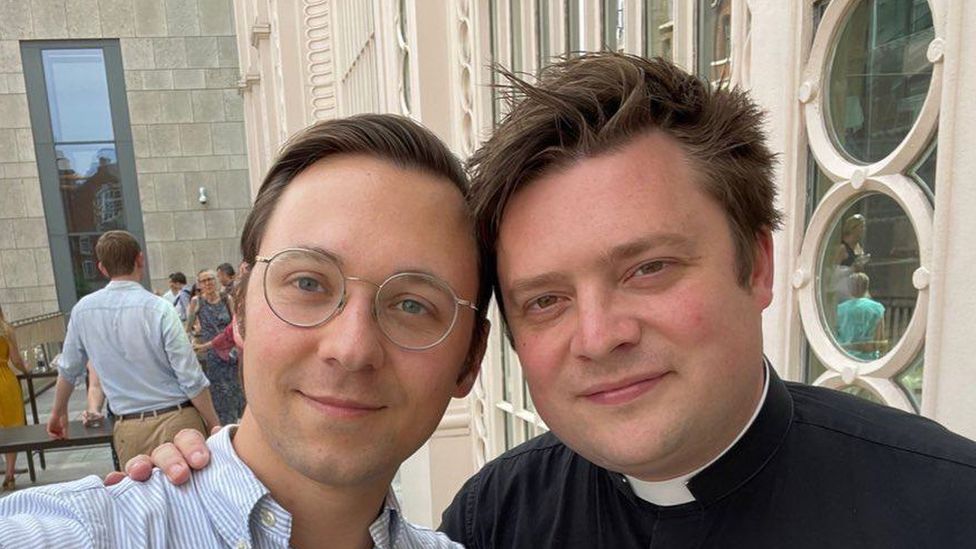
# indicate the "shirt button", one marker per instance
pixel 267 519
pixel 243 544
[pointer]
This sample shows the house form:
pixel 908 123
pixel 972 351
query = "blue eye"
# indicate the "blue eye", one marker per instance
pixel 411 306
pixel 307 284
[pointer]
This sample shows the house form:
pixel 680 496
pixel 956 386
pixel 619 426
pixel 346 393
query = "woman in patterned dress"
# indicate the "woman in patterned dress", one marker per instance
pixel 215 312
pixel 11 399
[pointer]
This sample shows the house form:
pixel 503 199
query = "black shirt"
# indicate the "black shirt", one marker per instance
pixel 818 468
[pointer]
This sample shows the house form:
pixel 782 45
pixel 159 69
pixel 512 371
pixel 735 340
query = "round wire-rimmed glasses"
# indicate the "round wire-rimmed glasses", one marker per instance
pixel 307 288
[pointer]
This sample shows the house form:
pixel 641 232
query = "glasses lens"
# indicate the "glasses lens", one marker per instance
pixel 415 311
pixel 303 288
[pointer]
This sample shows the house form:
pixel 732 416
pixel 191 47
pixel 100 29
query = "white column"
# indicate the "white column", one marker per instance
pixel 950 371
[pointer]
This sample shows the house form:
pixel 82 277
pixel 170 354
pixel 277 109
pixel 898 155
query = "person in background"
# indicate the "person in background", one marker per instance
pixel 11 398
pixel 178 294
pixel 138 348
pixel 214 310
pixel 226 278
pixel 860 321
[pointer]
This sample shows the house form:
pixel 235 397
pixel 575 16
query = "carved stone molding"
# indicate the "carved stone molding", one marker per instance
pixel 319 59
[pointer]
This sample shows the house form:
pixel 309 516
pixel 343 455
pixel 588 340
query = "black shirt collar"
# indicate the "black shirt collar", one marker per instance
pixel 756 447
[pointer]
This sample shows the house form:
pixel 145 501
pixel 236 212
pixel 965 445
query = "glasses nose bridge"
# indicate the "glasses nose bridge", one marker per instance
pixel 345 294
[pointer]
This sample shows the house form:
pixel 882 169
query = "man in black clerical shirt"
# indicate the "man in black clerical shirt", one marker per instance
pixel 628 208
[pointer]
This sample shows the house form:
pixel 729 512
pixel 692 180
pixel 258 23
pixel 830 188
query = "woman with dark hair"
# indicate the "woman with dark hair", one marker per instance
pixel 11 398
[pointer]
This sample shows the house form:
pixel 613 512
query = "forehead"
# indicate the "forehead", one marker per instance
pixel 643 189
pixel 377 217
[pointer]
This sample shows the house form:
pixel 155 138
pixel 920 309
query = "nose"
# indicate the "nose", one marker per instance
pixel 603 326
pixel 351 340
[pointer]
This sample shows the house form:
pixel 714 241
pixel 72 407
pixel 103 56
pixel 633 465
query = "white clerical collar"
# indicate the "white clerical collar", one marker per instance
pixel 675 491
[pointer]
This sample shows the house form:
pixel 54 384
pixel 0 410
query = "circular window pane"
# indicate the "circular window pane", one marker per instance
pixel 866 295
pixel 879 76
pixel 862 393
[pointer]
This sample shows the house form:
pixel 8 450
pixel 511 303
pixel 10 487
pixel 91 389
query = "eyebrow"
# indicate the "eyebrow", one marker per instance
pixel 643 245
pixel 621 252
pixel 327 253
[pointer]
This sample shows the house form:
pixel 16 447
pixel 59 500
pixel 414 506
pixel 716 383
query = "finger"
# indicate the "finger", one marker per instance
pixel 193 448
pixel 114 477
pixel 139 468
pixel 168 458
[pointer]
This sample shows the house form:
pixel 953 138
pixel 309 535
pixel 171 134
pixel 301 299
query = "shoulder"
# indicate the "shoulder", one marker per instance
pixel 73 513
pixel 528 471
pixel 412 535
pixel 540 460
pixel 848 419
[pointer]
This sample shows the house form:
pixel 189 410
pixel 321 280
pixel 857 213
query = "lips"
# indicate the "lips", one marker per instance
pixel 340 407
pixel 623 391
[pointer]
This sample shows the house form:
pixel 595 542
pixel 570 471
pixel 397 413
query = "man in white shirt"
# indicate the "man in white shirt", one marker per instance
pixel 360 317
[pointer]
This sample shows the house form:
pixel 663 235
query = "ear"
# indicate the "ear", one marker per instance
pixel 761 280
pixel 102 270
pixel 473 361
pixel 140 260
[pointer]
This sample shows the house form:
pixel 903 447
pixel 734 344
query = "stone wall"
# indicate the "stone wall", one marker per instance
pixel 181 70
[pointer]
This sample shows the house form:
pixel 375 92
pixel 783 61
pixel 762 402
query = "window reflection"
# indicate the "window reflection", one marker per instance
pixel 715 40
pixel 658 28
pixel 866 293
pixel 879 76
pixel 77 92
pixel 924 172
pixel 613 25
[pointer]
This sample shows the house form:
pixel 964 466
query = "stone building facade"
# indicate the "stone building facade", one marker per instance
pixel 185 114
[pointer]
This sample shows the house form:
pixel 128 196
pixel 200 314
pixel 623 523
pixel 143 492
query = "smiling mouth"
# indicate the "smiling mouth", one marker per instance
pixel 623 392
pixel 340 407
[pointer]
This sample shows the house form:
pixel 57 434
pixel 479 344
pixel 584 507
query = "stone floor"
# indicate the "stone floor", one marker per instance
pixel 68 463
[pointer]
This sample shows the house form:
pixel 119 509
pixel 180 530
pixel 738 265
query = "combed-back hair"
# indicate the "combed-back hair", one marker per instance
pixel 595 103
pixel 396 139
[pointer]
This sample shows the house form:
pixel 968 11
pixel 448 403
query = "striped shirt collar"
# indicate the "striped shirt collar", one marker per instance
pixel 237 501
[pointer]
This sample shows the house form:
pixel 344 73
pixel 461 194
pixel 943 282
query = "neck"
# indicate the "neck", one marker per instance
pixel 340 514
pixel 710 446
pixel 134 277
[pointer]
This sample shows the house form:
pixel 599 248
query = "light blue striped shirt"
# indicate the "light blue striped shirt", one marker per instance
pixel 137 345
pixel 224 505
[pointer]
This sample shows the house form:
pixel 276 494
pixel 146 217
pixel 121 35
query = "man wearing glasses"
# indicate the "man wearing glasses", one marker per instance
pixel 630 208
pixel 361 317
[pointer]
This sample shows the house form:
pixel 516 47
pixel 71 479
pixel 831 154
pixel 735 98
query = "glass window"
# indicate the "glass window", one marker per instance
pixel 715 40
pixel 879 76
pixel 612 12
pixel 77 103
pixel 910 380
pixel 515 34
pixel 77 93
pixel 574 19
pixel 819 7
pixel 542 32
pixel 865 285
pixel 658 28
pixel 924 172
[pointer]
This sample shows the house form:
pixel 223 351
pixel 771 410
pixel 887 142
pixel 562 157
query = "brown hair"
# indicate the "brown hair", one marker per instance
pixel 392 138
pixel 591 104
pixel 117 252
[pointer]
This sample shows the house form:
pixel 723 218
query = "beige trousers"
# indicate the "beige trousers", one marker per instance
pixel 140 436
